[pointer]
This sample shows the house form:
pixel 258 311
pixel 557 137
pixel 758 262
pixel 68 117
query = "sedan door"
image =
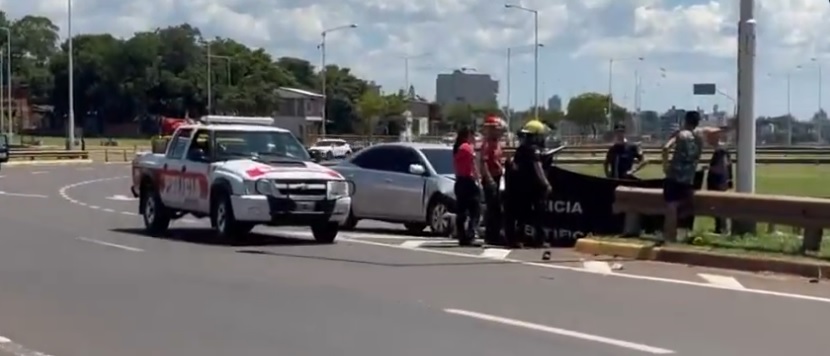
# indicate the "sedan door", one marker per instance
pixel 406 187
pixel 370 171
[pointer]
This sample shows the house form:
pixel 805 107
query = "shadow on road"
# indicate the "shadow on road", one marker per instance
pixel 207 237
pixel 374 263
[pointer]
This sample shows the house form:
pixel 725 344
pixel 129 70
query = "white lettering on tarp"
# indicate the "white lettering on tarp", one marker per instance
pixel 564 207
pixel 553 233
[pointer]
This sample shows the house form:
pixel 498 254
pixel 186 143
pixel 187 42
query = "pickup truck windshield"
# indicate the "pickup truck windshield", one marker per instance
pixel 259 144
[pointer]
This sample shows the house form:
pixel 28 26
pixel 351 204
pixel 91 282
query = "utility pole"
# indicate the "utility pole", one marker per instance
pixel 746 108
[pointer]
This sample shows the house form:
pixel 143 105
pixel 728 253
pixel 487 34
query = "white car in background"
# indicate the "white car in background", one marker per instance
pixel 331 148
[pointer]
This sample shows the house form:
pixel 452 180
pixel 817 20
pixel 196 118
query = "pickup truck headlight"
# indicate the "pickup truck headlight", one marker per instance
pixel 264 187
pixel 338 189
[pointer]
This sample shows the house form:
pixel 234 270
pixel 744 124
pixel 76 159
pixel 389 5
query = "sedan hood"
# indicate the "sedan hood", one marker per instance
pixel 288 169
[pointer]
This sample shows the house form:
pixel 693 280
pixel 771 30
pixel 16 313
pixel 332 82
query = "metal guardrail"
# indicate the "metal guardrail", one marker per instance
pixel 561 159
pixel 18 155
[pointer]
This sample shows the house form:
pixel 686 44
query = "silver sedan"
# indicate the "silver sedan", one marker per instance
pixel 402 182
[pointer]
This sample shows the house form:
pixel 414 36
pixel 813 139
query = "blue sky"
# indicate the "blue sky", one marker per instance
pixel 691 40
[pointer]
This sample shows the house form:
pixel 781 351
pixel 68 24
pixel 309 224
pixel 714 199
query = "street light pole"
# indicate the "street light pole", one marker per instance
pixel 322 47
pixel 819 122
pixel 746 108
pixel 611 86
pixel 509 70
pixel 535 54
pixel 8 76
pixel 406 69
pixel 209 80
pixel 70 144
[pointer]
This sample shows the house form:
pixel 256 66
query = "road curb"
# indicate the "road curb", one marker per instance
pixel 616 249
pixel 48 162
pixel 744 263
pixel 703 258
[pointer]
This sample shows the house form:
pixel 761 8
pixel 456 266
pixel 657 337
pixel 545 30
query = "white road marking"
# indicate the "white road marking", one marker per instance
pixel 584 270
pixel 723 281
pixel 598 266
pixel 562 332
pixel 23 195
pixel 121 198
pixel 2 176
pixel 496 253
pixel 40 172
pixel 94 207
pixel 109 210
pixel 129 213
pixel 10 347
pixel 413 243
pixel 63 190
pixel 110 244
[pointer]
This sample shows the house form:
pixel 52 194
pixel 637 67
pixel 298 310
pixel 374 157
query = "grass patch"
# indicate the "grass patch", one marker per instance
pixel 90 141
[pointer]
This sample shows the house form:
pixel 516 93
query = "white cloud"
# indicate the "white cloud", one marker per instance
pixel 693 39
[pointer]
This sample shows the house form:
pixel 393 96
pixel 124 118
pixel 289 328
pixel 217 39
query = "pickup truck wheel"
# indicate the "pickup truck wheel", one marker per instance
pixel 156 215
pixel 325 233
pixel 224 221
pixel 351 222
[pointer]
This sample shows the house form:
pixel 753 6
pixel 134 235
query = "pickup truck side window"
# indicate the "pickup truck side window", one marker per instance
pixel 179 144
pixel 201 147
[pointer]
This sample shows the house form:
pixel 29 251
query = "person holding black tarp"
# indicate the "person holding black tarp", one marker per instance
pixel 491 167
pixel 624 158
pixel 719 175
pixel 467 192
pixel 527 189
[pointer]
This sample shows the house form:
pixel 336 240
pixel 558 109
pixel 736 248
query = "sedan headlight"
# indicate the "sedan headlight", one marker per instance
pixel 338 189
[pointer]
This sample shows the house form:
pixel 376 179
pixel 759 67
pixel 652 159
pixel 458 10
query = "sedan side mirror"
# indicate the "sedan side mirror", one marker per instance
pixel 417 169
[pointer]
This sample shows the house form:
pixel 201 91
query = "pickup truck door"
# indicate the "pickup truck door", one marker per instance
pixel 195 173
pixel 170 182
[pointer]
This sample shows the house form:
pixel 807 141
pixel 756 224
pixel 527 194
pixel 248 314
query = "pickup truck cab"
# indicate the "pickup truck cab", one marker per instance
pixel 239 176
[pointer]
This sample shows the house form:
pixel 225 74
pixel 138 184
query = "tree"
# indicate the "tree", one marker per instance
pixel 459 115
pixel 373 106
pixel 164 71
pixel 591 109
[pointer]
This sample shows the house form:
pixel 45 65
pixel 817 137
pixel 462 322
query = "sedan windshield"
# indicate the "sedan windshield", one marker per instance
pixel 440 159
pixel 264 145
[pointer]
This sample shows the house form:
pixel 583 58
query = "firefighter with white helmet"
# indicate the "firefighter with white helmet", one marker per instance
pixel 527 188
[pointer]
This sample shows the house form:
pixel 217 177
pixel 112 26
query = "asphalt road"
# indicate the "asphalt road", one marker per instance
pixel 78 279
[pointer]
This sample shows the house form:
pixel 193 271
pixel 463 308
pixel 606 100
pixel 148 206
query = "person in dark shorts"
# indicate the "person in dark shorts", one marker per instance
pixel 719 175
pixel 491 167
pixel 624 158
pixel 467 192
pixel 680 170
pixel 527 189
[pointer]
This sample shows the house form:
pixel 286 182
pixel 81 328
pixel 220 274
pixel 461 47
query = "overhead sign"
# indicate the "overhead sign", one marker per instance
pixel 704 89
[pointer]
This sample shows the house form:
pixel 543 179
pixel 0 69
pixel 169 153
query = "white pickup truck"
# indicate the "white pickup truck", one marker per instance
pixel 239 176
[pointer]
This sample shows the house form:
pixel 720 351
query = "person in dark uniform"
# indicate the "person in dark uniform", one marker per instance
pixel 624 158
pixel 467 192
pixel 527 189
pixel 719 175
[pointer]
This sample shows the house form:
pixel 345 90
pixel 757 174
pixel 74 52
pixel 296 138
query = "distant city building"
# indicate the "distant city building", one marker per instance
pixel 476 89
pixel 555 103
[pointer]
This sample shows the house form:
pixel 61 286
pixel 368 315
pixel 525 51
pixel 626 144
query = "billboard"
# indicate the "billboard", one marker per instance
pixel 704 89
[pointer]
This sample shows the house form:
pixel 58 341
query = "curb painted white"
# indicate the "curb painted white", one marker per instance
pixel 562 332
pixel 723 281
pixel 59 162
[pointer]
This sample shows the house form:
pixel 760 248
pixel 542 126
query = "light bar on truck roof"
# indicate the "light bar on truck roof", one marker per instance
pixel 237 120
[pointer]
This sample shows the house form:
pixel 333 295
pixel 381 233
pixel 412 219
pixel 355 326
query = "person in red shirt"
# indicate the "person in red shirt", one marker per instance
pixel 491 166
pixel 467 193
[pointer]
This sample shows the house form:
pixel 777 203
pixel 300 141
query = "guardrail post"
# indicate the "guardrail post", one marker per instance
pixel 125 155
pixel 812 239
pixel 106 155
pixel 770 228
pixel 632 227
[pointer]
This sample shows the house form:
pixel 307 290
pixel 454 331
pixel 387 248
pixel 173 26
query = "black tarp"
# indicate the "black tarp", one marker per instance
pixel 582 205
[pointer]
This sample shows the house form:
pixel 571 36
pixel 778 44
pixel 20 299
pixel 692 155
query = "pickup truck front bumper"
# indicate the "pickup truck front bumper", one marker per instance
pixel 282 211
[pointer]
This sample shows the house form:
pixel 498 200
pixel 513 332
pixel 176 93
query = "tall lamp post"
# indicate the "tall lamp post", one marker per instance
pixel 535 54
pixel 8 75
pixel 508 75
pixel 322 47
pixel 611 82
pixel 70 142
pixel 820 109
pixel 746 108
